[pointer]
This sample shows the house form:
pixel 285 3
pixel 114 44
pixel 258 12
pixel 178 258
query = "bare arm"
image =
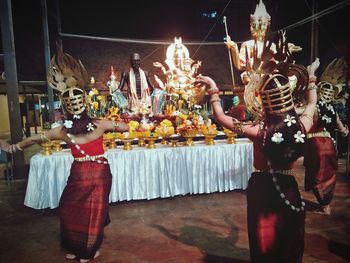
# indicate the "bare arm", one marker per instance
pixel 343 129
pixel 311 97
pixel 53 134
pixel 230 123
pixel 109 125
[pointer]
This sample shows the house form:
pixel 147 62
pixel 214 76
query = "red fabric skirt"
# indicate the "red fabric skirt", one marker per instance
pixel 83 208
pixel 320 163
pixel 276 233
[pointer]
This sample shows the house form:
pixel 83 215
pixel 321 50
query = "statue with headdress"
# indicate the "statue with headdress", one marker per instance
pixel 260 31
pixel 180 74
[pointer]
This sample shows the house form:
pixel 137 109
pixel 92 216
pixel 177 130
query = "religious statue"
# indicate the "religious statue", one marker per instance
pixel 117 96
pixel 260 30
pixel 139 87
pixel 181 72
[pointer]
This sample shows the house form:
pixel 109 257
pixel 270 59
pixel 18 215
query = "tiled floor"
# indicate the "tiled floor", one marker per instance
pixel 184 229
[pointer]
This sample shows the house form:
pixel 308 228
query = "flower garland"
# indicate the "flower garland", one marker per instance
pixel 89 157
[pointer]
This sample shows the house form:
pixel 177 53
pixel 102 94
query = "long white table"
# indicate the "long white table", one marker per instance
pixel 149 173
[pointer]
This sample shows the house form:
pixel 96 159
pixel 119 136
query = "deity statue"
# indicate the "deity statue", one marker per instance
pixel 114 91
pixel 260 29
pixel 181 72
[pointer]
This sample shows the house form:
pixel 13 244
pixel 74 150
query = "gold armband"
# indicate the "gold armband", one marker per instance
pixel 115 125
pixel 238 127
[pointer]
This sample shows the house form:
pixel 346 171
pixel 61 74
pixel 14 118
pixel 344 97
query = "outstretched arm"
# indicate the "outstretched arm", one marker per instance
pixel 311 97
pixel 116 126
pixel 53 134
pixel 227 121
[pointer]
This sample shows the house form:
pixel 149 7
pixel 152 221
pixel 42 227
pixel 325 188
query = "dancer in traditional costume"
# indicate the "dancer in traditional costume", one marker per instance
pixel 83 207
pixel 320 158
pixel 276 210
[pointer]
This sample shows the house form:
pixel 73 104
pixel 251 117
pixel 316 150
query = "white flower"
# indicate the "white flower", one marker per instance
pixel 321 103
pixel 277 138
pixel 327 119
pixel 330 108
pixel 290 120
pixel 75 116
pixel 68 124
pixel 90 127
pixel 299 137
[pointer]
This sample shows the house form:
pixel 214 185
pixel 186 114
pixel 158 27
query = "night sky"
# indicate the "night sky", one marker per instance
pixel 163 20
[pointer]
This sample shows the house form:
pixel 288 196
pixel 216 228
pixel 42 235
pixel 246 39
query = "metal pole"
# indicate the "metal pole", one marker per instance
pixel 8 43
pixel 229 54
pixel 34 116
pixel 27 124
pixel 59 25
pixel 314 33
pixel 47 57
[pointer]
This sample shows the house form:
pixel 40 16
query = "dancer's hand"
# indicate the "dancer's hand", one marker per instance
pixel 313 67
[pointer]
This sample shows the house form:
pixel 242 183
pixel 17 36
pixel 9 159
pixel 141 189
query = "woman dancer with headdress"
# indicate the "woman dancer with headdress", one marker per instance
pixel 320 159
pixel 83 207
pixel 275 208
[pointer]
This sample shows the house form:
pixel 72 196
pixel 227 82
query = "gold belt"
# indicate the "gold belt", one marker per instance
pixel 89 158
pixel 318 134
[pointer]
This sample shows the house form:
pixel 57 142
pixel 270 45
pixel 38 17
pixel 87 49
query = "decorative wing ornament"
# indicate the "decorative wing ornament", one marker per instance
pixel 69 77
pixel 333 79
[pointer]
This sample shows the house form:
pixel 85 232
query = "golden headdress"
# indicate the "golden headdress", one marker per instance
pixel 276 94
pixel 69 77
pixel 270 90
pixel 332 80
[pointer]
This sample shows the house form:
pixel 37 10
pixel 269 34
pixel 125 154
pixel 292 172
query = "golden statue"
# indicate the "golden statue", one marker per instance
pixel 181 72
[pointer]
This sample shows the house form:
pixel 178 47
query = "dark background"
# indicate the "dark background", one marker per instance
pixel 163 20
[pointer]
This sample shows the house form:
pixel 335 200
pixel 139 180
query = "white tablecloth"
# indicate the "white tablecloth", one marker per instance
pixel 149 173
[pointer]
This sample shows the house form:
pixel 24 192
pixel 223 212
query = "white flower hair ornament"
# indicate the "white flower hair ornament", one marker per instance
pixel 290 120
pixel 327 119
pixel 90 127
pixel 75 116
pixel 277 138
pixel 299 137
pixel 68 124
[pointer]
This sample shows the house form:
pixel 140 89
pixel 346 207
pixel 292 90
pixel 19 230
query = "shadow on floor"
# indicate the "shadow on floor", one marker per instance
pixel 215 248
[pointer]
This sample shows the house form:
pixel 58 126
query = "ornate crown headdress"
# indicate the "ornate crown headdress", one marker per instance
pixel 69 77
pixel 332 80
pixel 260 13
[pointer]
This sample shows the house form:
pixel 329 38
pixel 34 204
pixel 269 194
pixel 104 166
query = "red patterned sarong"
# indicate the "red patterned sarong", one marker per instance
pixel 276 233
pixel 321 165
pixel 83 208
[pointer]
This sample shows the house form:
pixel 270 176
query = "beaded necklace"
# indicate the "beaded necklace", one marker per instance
pixel 89 157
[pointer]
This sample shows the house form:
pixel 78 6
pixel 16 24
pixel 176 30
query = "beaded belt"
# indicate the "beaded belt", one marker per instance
pixel 318 134
pixel 286 172
pixel 89 158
